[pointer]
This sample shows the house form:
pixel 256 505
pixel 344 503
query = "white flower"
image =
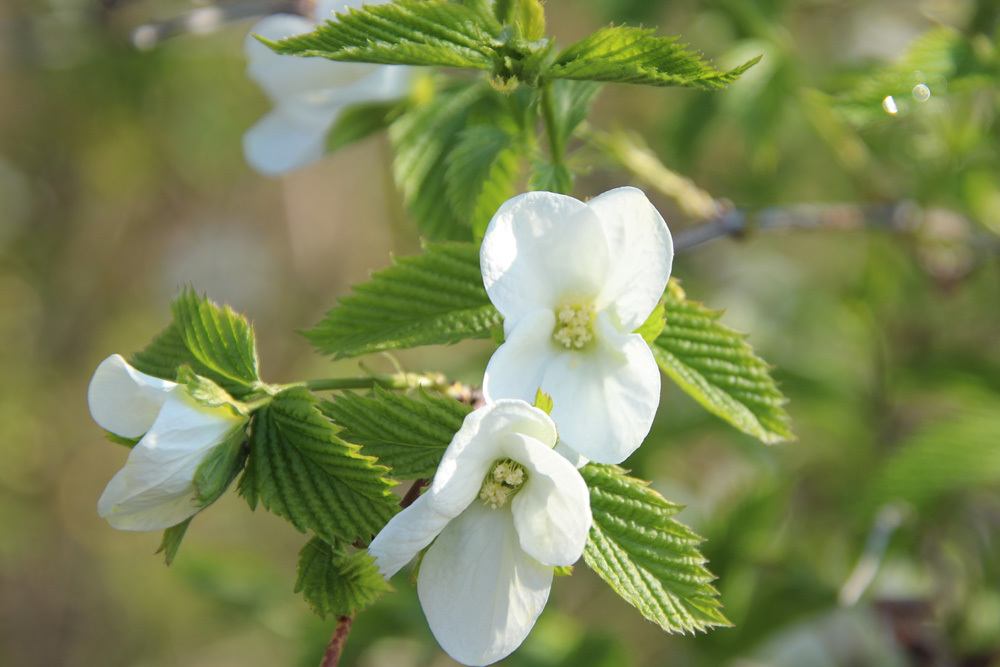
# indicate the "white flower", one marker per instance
pixel 308 93
pixel 573 280
pixel 504 509
pixel 155 488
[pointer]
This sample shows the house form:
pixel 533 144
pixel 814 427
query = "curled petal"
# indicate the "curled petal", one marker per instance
pixel 480 591
pixel 155 488
pixel 641 251
pixel 552 511
pixel 604 400
pixel 406 535
pixel 477 445
pixel 123 400
pixel 516 369
pixel 540 250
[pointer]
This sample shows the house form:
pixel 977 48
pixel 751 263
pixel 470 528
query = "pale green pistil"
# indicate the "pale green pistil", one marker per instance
pixel 574 326
pixel 502 483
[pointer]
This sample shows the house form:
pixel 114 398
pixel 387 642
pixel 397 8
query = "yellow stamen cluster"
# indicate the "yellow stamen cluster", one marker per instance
pixel 504 480
pixel 575 326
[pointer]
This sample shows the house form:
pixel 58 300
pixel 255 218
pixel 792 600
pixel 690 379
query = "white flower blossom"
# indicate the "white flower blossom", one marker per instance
pixel 503 510
pixel 155 488
pixel 308 93
pixel 573 281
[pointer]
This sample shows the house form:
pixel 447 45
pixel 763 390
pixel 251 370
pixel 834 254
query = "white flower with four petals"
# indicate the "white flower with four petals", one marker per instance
pixel 503 510
pixel 573 281
pixel 308 93
pixel 155 488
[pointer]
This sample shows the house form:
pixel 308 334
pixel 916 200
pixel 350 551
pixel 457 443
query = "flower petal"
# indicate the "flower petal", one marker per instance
pixel 406 535
pixel 286 139
pixel 552 510
pixel 123 400
pixel 516 368
pixel 477 445
pixel 641 251
pixel 480 591
pixel 284 76
pixel 540 250
pixel 155 488
pixel 604 399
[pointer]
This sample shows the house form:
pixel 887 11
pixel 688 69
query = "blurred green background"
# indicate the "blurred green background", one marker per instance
pixel 871 541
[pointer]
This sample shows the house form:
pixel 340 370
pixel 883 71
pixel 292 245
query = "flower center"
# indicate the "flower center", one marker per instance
pixel 574 326
pixel 504 480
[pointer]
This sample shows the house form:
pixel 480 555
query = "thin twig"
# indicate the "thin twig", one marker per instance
pixel 331 658
pixel 414 493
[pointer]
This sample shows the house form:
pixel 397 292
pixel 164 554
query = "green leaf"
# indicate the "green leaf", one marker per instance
pixel 529 19
pixel 219 339
pixel 359 122
pixel 714 365
pixel 434 298
pixel 955 454
pixel 647 557
pixel 404 32
pixel 637 55
pixel 164 356
pixel 482 173
pixel 550 177
pixel 408 433
pixel 571 102
pixel 335 583
pixel 302 470
pixel 423 138
pixel 171 542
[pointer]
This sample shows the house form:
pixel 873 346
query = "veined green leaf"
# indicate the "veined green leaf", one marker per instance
pixel 335 583
pixel 217 337
pixel 434 298
pixel 360 122
pixel 165 355
pixel 408 433
pixel 404 32
pixel 714 365
pixel 647 557
pixel 482 173
pixel 621 54
pixel 423 138
pixel 302 470
pixel 571 105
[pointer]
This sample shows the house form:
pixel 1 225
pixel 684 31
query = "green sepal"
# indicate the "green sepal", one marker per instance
pixel 651 329
pixel 207 393
pixel 563 571
pixel 119 440
pixel 171 542
pixel 543 401
pixel 218 470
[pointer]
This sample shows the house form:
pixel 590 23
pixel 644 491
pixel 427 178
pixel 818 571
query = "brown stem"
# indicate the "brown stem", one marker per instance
pixel 413 493
pixel 331 658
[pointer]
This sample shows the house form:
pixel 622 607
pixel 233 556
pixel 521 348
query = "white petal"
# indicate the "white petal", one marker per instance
pixel 480 591
pixel 477 445
pixel 154 489
pixel 284 76
pixel 123 400
pixel 406 535
pixel 641 251
pixel 552 510
pixel 604 399
pixel 516 368
pixel 385 83
pixel 286 139
pixel 540 250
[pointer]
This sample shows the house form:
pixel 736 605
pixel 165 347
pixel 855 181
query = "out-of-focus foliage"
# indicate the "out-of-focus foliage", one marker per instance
pixel 121 178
